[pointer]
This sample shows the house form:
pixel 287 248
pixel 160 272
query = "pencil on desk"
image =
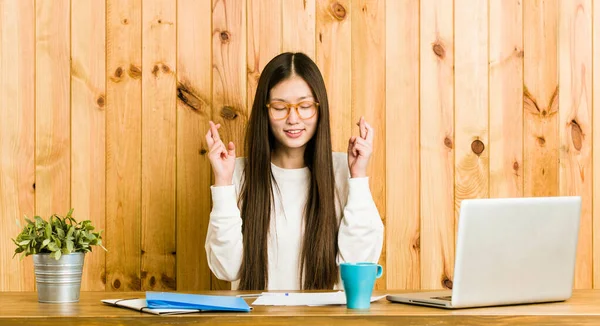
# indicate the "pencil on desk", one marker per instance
pixel 252 295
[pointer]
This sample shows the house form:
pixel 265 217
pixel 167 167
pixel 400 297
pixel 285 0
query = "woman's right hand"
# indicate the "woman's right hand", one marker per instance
pixel 222 159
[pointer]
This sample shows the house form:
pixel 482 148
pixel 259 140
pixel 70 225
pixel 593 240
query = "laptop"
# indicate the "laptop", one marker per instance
pixel 510 251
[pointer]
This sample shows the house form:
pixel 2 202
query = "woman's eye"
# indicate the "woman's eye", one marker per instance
pixel 278 106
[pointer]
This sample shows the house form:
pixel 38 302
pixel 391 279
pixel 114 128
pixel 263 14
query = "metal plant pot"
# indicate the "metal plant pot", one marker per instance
pixel 58 281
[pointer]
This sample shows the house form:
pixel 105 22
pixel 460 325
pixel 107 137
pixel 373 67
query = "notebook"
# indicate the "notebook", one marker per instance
pixel 173 300
pixel 164 303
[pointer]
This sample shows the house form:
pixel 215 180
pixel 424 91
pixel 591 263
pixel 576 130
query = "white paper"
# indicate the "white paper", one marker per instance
pixel 304 299
pixel 142 306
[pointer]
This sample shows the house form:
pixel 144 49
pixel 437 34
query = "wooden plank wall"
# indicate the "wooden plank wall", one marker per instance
pixel 88 101
pixel 123 144
pixel 104 104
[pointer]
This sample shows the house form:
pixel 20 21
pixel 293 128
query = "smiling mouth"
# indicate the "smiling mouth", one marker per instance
pixel 294 131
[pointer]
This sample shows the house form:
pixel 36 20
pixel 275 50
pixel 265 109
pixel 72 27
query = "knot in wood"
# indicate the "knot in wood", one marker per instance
pixel 100 101
pixel 417 244
pixel 448 142
pixel 338 11
pixel 477 147
pixel 135 72
pixel 119 72
pixel 439 50
pixel 228 113
pixel 541 141
pixel 576 135
pixel 117 284
pixel 447 283
pixel 225 36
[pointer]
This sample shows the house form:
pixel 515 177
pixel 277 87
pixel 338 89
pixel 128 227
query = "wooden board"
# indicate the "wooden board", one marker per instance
pixel 88 124
pixel 193 168
pixel 17 169
pixel 159 140
pixel 540 98
pixel 575 122
pixel 298 26
pixel 437 144
pixel 333 52
pixel 262 16
pixel 581 309
pixel 506 98
pixel 471 115
pixel 52 110
pixel 229 77
pixel 368 95
pixel 596 142
pixel 123 143
pixel 402 145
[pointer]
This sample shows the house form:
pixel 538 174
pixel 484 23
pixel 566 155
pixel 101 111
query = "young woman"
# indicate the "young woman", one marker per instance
pixel 285 216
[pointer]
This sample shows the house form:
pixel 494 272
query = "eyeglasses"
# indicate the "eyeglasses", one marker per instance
pixel 281 110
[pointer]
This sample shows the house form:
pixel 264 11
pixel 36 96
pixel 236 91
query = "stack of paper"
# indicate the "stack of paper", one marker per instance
pixel 304 299
pixel 142 306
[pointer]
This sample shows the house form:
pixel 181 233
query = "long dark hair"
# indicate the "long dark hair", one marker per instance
pixel 319 246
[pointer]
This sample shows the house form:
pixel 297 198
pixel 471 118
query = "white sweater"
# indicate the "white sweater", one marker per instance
pixel 360 235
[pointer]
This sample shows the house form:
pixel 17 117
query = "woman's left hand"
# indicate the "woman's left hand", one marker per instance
pixel 360 149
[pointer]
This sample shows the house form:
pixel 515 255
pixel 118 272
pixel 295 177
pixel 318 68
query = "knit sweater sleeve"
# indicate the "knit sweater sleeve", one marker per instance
pixel 224 242
pixel 360 235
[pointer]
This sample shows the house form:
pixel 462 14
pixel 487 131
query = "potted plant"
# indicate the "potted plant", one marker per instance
pixel 58 246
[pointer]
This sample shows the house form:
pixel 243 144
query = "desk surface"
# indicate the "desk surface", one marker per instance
pixel 22 308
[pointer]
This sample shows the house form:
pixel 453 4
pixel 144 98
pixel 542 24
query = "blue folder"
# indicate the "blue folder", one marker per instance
pixel 172 300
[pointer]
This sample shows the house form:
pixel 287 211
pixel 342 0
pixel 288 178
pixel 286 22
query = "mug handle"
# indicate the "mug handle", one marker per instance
pixel 379 271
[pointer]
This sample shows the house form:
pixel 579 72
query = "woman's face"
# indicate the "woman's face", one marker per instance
pixel 295 129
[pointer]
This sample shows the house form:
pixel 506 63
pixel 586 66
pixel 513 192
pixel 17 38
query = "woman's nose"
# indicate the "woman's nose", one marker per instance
pixel 293 116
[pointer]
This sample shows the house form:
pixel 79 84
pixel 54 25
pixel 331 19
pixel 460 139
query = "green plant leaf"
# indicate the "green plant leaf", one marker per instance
pixel 24 242
pixel 56 254
pixel 53 247
pixel 39 222
pixel 45 243
pixel 48 230
pixel 58 235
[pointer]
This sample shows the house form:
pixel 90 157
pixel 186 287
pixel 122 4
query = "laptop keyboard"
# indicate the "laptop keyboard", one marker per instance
pixel 447 298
